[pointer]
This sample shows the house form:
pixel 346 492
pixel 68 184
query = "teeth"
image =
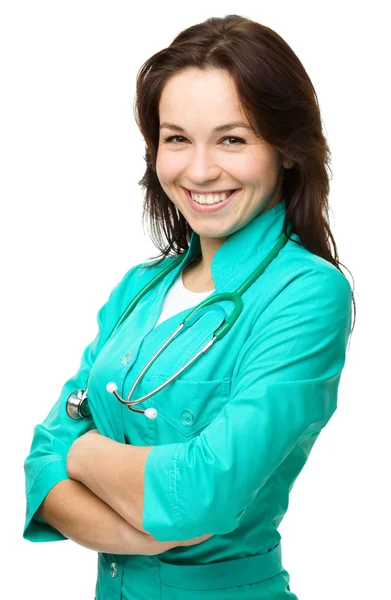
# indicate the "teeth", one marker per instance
pixel 210 198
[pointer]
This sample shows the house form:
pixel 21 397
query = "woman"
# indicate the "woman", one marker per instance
pixel 187 505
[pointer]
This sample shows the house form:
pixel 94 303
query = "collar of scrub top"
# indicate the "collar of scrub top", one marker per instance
pixel 244 249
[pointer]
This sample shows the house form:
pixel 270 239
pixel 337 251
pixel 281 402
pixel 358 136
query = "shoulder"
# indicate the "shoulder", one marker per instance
pixel 308 305
pixel 311 274
pixel 307 287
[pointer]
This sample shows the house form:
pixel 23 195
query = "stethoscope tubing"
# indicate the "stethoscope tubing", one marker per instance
pixel 218 334
pixel 188 321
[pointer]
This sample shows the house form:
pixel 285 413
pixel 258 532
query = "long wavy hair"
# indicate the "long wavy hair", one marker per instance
pixel 282 107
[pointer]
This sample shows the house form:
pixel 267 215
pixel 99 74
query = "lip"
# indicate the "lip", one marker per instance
pixel 210 192
pixel 209 208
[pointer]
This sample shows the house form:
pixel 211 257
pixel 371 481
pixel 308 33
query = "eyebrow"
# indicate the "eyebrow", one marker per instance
pixel 224 127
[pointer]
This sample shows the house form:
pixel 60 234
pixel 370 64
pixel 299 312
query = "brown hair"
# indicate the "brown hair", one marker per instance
pixel 281 105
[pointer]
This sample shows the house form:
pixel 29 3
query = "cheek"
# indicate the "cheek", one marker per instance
pixel 256 167
pixel 167 166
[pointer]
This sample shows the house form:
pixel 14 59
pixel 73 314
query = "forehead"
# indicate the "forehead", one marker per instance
pixel 193 93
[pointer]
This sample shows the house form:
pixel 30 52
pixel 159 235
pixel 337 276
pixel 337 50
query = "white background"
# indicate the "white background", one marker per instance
pixel 71 157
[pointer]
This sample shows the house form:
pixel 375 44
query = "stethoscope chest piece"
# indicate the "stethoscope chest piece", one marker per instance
pixel 77 405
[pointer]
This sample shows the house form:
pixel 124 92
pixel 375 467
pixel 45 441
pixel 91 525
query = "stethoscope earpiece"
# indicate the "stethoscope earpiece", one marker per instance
pixel 112 388
pixel 150 413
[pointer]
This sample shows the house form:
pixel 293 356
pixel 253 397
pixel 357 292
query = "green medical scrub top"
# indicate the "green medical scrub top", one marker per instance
pixel 233 431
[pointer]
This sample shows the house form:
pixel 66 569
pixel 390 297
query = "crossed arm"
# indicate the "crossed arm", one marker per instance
pixel 73 509
pixel 287 383
pixel 112 471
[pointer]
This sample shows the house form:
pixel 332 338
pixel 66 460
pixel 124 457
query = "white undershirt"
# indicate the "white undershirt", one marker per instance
pixel 179 298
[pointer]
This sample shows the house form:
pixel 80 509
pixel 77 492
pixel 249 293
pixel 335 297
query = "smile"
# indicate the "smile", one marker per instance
pixel 209 203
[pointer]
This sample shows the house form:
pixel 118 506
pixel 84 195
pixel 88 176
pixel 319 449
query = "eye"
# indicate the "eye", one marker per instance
pixel 239 141
pixel 172 137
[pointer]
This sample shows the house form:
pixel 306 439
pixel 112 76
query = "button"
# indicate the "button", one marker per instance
pixel 126 358
pixel 187 417
pixel 113 570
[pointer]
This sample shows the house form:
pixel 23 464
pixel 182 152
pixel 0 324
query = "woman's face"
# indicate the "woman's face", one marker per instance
pixel 193 156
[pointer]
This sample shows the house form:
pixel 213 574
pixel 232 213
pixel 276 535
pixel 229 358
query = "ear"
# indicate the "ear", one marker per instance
pixel 287 164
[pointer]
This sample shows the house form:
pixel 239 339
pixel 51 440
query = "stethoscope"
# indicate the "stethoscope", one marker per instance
pixel 77 403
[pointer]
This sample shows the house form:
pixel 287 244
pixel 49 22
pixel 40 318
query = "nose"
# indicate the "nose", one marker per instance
pixel 203 166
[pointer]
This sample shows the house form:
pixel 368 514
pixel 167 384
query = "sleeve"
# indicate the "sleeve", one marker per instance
pixel 284 386
pixel 46 463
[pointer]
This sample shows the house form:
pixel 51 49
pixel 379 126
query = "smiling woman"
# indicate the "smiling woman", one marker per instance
pixel 227 107
pixel 203 161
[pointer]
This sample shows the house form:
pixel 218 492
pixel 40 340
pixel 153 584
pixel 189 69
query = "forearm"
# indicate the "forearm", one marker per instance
pixel 72 509
pixel 75 511
pixel 113 471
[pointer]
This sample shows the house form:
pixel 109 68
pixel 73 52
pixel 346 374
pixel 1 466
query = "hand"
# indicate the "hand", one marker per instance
pixel 155 547
pixel 195 541
pixel 92 431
